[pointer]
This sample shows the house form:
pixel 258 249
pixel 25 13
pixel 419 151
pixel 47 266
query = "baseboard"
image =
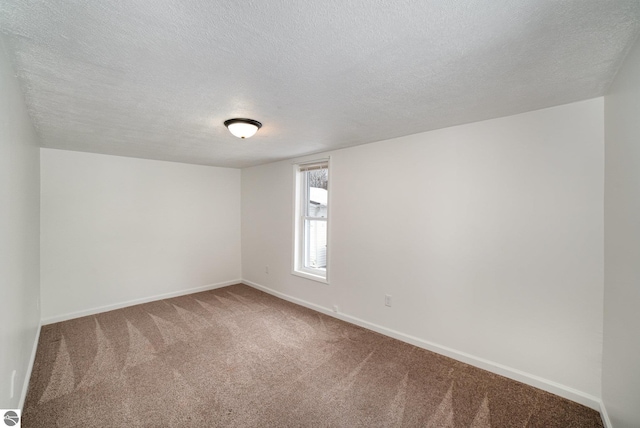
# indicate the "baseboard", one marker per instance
pixel 32 360
pixel 500 369
pixel 107 308
pixel 605 416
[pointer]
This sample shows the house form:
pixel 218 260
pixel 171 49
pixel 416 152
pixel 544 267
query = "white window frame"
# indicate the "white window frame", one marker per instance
pixel 300 198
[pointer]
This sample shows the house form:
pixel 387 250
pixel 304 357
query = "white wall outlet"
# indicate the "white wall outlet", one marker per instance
pixel 336 308
pixel 13 384
pixel 266 269
pixel 387 299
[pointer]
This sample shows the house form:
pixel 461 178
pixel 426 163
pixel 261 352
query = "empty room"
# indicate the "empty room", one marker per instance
pixel 320 214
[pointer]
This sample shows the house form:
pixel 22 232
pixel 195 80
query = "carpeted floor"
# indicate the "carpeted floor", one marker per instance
pixel 237 357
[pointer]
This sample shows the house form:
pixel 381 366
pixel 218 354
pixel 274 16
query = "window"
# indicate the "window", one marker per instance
pixel 312 219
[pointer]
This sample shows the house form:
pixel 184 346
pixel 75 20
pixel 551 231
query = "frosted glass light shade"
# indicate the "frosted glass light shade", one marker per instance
pixel 243 128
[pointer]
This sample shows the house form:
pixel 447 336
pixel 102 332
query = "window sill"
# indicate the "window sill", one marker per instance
pixel 310 276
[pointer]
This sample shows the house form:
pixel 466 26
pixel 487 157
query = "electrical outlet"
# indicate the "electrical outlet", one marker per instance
pixel 266 269
pixel 387 299
pixel 336 308
pixel 13 383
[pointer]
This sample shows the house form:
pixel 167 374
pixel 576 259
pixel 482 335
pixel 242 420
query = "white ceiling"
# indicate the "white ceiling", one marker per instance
pixel 156 78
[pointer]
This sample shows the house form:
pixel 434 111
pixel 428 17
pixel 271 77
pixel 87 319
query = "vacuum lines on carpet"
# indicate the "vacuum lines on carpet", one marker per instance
pixel 237 357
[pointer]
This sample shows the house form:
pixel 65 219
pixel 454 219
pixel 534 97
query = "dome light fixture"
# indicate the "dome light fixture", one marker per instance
pixel 242 128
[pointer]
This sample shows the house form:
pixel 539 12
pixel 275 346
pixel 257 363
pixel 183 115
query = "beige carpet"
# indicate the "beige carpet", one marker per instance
pixel 237 357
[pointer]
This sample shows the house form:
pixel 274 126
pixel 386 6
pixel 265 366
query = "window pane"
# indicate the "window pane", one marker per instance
pixel 317 183
pixel 316 244
pixel 310 259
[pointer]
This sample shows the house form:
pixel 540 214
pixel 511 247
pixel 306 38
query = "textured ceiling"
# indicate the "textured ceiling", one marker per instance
pixel 156 78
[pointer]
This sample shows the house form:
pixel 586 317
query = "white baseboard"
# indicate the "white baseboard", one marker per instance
pixel 27 376
pixel 605 416
pixel 500 369
pixel 107 308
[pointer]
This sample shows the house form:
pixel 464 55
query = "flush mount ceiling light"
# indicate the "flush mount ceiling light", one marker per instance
pixel 242 128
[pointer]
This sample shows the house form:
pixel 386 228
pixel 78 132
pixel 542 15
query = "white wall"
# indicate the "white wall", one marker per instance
pixel 19 235
pixel 621 354
pixel 489 237
pixel 118 229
